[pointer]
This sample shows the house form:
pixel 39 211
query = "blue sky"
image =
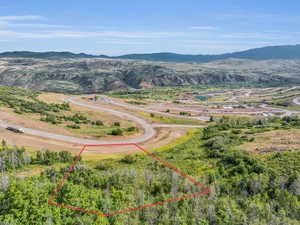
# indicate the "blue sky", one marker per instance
pixel 123 27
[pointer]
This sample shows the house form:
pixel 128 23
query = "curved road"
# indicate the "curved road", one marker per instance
pixel 149 130
pixel 124 105
pixel 296 101
pixel 202 118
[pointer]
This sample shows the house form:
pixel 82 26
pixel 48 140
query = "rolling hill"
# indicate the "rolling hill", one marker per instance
pixel 265 53
pixel 99 75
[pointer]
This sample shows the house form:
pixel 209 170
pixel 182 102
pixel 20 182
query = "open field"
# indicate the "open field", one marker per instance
pixel 169 120
pixel 274 141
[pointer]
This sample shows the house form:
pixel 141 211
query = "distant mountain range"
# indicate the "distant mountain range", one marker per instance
pixel 48 55
pixel 265 53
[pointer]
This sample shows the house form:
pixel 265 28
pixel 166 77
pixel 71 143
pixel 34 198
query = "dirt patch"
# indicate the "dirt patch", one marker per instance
pixel 33 121
pixel 51 97
pixel 163 137
pixel 90 113
pixel 37 143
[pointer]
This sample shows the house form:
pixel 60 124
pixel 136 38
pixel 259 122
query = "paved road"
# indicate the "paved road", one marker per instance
pixel 149 130
pixel 290 89
pixel 202 118
pixel 179 125
pixel 284 112
pixel 296 101
pixel 268 110
pixel 143 109
pixel 235 97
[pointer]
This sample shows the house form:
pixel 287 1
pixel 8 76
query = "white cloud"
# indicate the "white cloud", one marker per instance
pixel 10 25
pixel 4 24
pixel 203 28
pixel 38 25
pixel 198 39
pixel 20 18
pixel 12 21
pixel 39 35
pixel 82 34
pixel 253 36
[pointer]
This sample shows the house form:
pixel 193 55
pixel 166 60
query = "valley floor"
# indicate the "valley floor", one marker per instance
pixel 156 123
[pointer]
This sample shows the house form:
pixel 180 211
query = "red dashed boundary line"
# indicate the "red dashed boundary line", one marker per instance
pixel 59 186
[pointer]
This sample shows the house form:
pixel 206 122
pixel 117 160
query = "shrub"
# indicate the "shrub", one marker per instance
pixel 137 102
pixel 236 131
pixel 116 124
pixel 129 159
pixel 99 123
pixel 103 166
pixel 65 156
pixel 130 129
pixel 50 119
pixel 117 132
pixel 73 126
pixel 183 113
pixel 49 158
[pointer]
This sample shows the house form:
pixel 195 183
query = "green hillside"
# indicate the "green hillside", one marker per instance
pixel 246 188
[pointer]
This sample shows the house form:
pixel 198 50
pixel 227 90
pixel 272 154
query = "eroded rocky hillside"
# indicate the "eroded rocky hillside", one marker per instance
pixel 98 75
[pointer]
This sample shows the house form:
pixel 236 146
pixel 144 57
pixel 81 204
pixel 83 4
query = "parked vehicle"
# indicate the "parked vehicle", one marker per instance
pixel 16 130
